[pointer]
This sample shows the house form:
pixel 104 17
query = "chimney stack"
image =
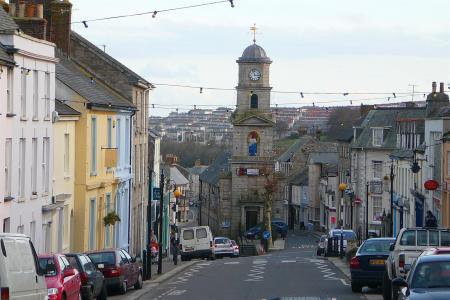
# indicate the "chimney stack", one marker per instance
pixel 436 101
pixel 59 17
pixel 30 18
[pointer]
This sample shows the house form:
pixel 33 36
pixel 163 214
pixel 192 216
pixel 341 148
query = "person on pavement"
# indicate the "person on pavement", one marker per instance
pixel 430 220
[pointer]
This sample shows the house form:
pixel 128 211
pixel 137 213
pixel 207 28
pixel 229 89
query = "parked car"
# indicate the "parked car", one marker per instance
pixel 63 281
pixel 436 251
pixel 235 248
pixel 410 243
pixel 367 267
pixel 429 278
pixel 222 246
pixel 347 235
pixel 321 245
pixel 121 271
pixel 196 242
pixel 92 280
pixel 20 273
pixel 255 232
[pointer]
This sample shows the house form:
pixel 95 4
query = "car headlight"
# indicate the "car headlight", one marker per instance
pixel 52 291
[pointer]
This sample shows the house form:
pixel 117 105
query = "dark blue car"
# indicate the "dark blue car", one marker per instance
pixel 256 231
pixel 367 267
pixel 429 278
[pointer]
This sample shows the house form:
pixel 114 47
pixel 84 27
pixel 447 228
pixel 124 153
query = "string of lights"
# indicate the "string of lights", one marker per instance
pixel 153 12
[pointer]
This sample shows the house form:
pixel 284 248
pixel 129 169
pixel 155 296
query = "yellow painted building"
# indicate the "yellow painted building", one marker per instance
pixel 95 154
pixel 62 208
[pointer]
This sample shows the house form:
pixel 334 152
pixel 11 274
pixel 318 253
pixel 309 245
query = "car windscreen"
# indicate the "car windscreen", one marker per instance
pixel 376 246
pixel 107 258
pixel 431 275
pixel 348 235
pixel 48 265
pixel 188 234
pixel 220 241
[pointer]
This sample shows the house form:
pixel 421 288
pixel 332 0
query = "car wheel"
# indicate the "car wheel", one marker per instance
pixel 387 293
pixel 123 287
pixel 138 284
pixel 103 294
pixel 356 288
pixel 87 296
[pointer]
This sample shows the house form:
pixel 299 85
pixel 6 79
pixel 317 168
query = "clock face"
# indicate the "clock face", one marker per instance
pixel 254 75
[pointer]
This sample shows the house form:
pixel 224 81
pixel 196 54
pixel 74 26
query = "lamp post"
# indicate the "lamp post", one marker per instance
pixel 392 198
pixel 342 188
pixel 177 194
pixel 161 211
pixel 367 210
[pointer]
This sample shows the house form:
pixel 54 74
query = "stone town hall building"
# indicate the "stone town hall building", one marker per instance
pixel 231 189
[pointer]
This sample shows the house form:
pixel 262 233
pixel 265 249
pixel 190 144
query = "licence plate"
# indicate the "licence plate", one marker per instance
pixel 377 262
pixel 100 266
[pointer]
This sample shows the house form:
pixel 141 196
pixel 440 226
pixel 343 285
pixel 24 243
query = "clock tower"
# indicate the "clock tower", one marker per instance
pixel 252 139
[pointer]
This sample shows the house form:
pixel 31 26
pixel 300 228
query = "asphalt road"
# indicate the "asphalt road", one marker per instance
pixel 293 272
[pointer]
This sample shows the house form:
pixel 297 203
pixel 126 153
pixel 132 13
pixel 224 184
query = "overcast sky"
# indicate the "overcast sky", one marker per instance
pixel 316 46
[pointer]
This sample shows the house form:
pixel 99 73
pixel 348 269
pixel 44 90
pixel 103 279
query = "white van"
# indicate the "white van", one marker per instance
pixel 196 242
pixel 20 275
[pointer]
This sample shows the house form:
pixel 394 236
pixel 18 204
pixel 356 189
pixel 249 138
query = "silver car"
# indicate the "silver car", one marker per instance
pixel 222 246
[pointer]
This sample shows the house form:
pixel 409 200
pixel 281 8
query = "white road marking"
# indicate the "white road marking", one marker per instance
pixel 344 282
pixel 288 261
pixel 176 293
pixel 257 271
pixel 232 263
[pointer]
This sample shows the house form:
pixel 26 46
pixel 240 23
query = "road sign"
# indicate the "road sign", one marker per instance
pixel 266 235
pixel 156 194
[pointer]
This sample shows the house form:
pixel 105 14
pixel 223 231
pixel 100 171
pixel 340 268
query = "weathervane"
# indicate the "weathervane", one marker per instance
pixel 254 28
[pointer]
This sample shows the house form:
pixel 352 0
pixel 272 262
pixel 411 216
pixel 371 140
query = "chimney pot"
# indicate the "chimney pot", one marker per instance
pixel 12 8
pixel 40 10
pixel 22 6
pixel 433 87
pixel 441 87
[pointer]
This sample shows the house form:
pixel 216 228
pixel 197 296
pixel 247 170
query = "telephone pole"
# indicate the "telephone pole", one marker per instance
pixel 391 221
pixel 161 212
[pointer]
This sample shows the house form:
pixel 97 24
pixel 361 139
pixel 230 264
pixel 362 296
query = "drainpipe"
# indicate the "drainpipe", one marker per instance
pixel 129 190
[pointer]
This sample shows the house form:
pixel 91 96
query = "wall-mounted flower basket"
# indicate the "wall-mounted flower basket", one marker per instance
pixel 111 218
pixel 386 177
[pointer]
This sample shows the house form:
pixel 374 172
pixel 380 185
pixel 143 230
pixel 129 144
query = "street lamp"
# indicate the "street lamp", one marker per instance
pixel 177 194
pixel 342 188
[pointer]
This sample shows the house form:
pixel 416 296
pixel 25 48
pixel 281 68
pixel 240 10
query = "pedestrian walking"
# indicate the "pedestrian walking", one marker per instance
pixel 174 248
pixel 430 220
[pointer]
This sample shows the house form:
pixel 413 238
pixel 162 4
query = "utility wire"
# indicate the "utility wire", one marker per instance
pixel 153 13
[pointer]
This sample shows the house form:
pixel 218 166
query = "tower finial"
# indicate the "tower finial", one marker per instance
pixel 254 28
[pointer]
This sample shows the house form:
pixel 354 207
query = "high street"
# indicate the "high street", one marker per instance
pixel 293 272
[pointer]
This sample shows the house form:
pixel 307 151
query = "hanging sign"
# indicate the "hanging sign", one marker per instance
pixel 252 172
pixel 431 185
pixel 358 201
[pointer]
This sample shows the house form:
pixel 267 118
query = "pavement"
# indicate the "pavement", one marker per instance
pixel 293 272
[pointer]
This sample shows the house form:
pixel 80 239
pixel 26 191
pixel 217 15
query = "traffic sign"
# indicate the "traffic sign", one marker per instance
pixel 156 194
pixel 266 235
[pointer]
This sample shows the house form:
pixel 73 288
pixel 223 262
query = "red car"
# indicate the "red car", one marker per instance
pixel 63 281
pixel 121 271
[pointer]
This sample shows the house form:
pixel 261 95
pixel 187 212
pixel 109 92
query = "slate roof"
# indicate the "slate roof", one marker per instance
pixel 197 170
pixel 4 56
pixel 133 77
pixel 177 176
pixel 212 174
pixel 7 24
pixel 290 152
pixel 402 154
pixel 65 110
pixel 324 158
pixel 385 118
pixel 300 178
pixel 97 95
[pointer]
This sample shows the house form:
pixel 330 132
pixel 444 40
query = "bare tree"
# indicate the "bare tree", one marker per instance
pixel 270 186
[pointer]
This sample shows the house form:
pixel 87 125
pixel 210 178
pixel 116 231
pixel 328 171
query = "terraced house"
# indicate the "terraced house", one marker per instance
pixel 96 182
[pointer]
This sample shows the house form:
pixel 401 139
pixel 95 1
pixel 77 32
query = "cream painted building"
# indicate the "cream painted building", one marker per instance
pixel 62 208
